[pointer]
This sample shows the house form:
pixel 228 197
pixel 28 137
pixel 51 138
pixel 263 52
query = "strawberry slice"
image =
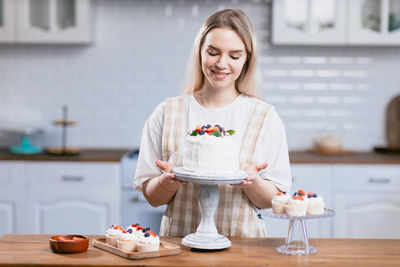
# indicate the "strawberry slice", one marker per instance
pixel 301 192
pixel 198 128
pixel 153 234
pixel 119 227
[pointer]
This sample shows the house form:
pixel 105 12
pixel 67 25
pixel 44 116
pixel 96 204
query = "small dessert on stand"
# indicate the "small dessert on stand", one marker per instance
pixel 64 150
pixel 199 167
pixel 297 209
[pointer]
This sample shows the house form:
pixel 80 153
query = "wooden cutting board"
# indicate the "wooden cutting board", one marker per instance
pixel 166 249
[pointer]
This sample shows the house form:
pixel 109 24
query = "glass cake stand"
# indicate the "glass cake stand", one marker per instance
pixel 297 238
pixel 206 236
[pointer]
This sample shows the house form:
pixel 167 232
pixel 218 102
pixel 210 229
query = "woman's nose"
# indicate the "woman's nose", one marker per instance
pixel 221 63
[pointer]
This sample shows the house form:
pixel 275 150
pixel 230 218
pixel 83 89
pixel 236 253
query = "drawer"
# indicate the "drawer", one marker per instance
pixel 73 176
pixel 11 175
pixel 310 174
pixel 373 178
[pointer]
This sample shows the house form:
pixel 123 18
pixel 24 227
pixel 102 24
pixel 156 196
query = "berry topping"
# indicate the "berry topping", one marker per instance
pixel 300 192
pixel 147 228
pixel 298 198
pixel 315 195
pixel 309 195
pixel 144 230
pixel 295 194
pixel 129 231
pixel 116 226
pixel 280 194
pixel 146 235
pixel 216 130
pixel 152 233
pixel 139 228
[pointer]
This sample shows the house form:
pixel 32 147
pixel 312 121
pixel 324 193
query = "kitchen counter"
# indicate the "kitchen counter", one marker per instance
pixel 94 155
pixel 303 157
pixel 296 157
pixel 33 250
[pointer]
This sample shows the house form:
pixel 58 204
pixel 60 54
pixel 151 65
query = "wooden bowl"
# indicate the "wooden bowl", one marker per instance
pixel 69 243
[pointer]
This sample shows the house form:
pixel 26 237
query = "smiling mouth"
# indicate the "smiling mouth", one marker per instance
pixel 219 75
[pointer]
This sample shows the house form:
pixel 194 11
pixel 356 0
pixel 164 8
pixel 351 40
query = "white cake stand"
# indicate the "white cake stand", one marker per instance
pixel 297 237
pixel 206 236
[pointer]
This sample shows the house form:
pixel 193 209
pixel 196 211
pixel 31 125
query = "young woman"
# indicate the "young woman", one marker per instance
pixel 221 88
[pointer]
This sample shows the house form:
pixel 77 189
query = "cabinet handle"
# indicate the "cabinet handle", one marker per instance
pixel 72 178
pixel 374 180
pixel 135 199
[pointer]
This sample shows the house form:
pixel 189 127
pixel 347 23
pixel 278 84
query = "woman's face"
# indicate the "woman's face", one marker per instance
pixel 223 55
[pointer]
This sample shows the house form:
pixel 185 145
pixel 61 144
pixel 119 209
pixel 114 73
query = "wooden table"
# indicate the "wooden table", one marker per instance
pixel 33 250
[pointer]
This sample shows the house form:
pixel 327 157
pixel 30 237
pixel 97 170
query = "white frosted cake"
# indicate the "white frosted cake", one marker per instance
pixel 210 149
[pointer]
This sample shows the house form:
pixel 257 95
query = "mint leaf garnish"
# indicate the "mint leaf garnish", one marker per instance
pixel 231 132
pixel 194 133
pixel 216 133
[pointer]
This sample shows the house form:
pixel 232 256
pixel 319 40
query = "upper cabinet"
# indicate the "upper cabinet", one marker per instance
pixel 374 22
pixel 309 22
pixel 336 22
pixel 7 21
pixel 45 21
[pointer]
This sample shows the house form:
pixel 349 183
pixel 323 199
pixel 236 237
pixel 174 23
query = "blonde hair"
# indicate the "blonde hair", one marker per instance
pixel 237 21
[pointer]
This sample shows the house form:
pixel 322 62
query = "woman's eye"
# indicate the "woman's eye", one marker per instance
pixel 233 57
pixel 212 54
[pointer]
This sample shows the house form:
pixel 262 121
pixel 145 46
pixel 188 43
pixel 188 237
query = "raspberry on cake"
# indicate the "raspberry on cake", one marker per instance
pixel 211 149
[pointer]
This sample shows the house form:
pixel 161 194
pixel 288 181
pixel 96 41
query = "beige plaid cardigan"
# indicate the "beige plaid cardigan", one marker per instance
pixel 235 215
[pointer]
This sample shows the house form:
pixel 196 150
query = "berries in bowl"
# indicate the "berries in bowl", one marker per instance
pixel 69 243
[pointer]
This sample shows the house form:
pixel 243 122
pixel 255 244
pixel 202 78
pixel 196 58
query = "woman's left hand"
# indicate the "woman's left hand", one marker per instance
pixel 252 173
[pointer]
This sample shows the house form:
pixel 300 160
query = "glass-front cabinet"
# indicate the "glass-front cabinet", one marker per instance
pixel 7 23
pixel 45 21
pixel 374 22
pixel 336 22
pixel 320 22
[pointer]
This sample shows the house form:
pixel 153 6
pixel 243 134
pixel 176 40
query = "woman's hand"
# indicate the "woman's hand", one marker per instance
pixel 167 179
pixel 252 173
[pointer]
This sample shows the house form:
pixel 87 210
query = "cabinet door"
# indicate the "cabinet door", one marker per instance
pixel 11 212
pixel 310 178
pixel 7 25
pixel 61 212
pixel 366 215
pixel 73 197
pixel 12 197
pixel 53 21
pixel 318 22
pixel 374 22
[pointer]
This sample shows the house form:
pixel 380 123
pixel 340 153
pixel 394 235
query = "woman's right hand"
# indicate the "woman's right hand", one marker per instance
pixel 167 179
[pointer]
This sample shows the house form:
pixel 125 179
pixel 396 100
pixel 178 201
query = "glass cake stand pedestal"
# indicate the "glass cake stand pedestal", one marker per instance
pixel 297 237
pixel 206 236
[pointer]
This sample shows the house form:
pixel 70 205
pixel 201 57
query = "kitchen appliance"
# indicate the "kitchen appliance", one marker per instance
pixel 135 208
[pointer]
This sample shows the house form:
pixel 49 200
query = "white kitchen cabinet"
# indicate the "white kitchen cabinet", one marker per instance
pixel 46 21
pixel 68 197
pixel 336 22
pixel 12 197
pixel 7 23
pixel 314 178
pixel 374 22
pixel 304 22
pixel 367 201
pixel 59 197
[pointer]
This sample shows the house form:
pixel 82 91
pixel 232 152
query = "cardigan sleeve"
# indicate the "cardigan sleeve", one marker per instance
pixel 150 148
pixel 273 149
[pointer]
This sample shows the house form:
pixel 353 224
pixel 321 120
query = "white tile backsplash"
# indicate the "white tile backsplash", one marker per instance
pixel 139 58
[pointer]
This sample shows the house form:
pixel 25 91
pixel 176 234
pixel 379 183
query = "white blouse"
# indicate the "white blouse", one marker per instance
pixel 272 148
